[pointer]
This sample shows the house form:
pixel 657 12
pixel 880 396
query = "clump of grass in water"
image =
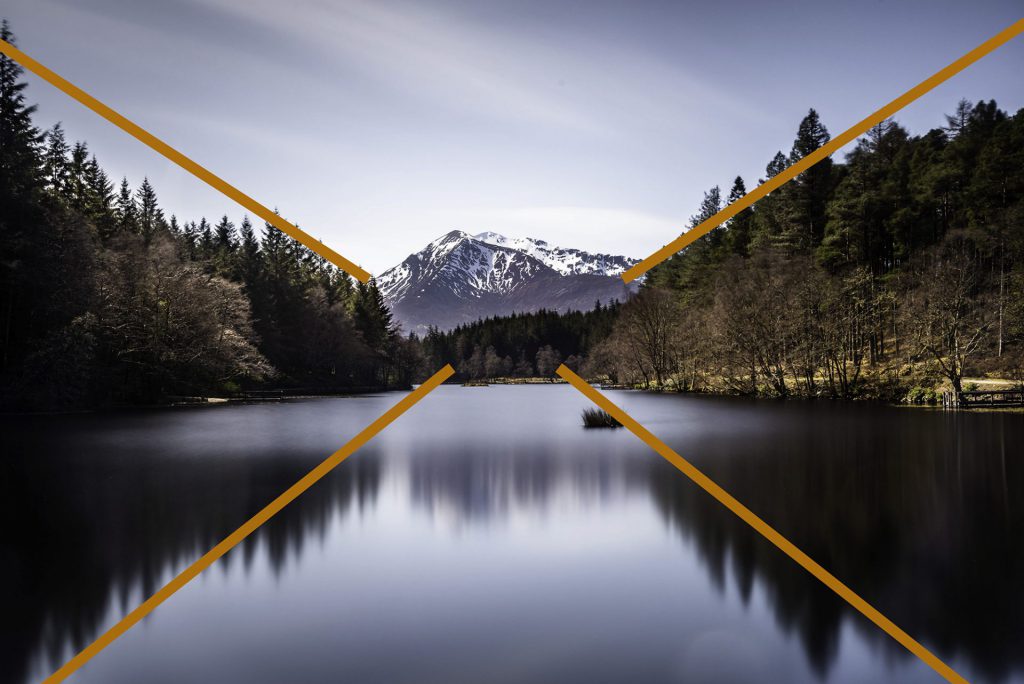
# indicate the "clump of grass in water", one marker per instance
pixel 594 418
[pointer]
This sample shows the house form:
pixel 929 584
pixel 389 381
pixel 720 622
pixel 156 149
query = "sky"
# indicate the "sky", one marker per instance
pixel 378 125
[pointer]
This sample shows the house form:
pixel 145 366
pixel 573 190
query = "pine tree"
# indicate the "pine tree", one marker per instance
pixel 373 317
pixel 126 211
pixel 739 226
pixel 811 135
pixel 78 190
pixel 99 204
pixel 224 235
pixel 56 166
pixel 806 196
pixel 224 247
pixel 21 187
pixel 20 164
pixel 248 262
pixel 959 119
pixel 777 165
pixel 150 216
pixel 189 235
pixel 204 239
pixel 685 271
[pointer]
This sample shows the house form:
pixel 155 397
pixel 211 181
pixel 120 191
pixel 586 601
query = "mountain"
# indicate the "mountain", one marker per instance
pixel 459 278
pixel 565 261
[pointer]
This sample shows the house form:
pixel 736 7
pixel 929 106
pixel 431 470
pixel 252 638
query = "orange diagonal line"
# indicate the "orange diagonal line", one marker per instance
pixel 184 162
pixel 824 151
pixel 233 539
pixel 766 530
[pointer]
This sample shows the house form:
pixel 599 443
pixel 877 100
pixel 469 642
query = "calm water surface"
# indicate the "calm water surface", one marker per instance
pixel 487 537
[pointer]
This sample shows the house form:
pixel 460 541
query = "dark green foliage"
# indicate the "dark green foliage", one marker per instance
pixel 520 345
pixel 104 300
pixel 909 255
pixel 150 216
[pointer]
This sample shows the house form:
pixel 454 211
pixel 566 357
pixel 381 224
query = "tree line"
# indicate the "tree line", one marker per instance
pixel 901 267
pixel 106 299
pixel 885 276
pixel 520 345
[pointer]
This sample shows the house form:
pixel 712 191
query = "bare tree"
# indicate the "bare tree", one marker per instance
pixel 949 312
pixel 649 324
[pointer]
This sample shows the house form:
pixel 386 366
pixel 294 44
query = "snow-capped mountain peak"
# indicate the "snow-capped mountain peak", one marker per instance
pixel 564 261
pixel 468 266
pixel 461 277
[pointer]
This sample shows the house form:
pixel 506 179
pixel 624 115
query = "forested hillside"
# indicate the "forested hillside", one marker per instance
pixel 902 266
pixel 106 299
pixel 520 345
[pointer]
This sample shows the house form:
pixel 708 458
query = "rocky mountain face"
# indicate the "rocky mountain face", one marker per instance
pixel 459 278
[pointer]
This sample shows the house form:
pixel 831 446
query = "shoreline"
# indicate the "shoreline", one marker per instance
pixel 178 401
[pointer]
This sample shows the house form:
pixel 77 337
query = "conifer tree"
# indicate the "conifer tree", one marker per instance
pixel 806 196
pixel 777 165
pixel 248 262
pixel 224 247
pixel 99 200
pixel 56 165
pixel 78 189
pixel 739 226
pixel 224 235
pixel 204 239
pixel 960 118
pixel 126 210
pixel 150 215
pixel 21 187
pixel 20 164
pixel 189 235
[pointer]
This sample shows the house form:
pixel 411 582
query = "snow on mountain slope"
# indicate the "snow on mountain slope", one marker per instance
pixel 565 261
pixel 459 278
pixel 466 265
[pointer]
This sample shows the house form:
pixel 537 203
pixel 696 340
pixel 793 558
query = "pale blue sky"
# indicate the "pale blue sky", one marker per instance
pixel 378 125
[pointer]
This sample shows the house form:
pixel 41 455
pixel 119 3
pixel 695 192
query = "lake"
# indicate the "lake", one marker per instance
pixel 487 537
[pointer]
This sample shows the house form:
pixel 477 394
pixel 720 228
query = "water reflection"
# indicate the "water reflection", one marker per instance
pixel 911 509
pixel 917 511
pixel 90 518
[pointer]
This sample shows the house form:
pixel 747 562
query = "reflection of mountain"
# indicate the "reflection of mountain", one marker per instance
pixel 919 546
pixel 77 539
pixel 486 485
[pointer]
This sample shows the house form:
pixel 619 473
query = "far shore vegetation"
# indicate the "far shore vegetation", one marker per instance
pixel 895 275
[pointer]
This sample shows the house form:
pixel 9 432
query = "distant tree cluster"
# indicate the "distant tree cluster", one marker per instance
pixel 103 298
pixel 851 280
pixel 520 345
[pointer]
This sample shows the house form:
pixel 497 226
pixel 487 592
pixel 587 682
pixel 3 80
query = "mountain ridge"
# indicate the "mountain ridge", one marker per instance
pixel 459 278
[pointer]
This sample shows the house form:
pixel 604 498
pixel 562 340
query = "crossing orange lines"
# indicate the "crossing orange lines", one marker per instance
pixel 419 393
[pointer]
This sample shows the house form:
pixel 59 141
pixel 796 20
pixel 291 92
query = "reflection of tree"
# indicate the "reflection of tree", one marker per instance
pixel 87 528
pixel 900 505
pixel 482 485
pixel 919 521
pixel 914 510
